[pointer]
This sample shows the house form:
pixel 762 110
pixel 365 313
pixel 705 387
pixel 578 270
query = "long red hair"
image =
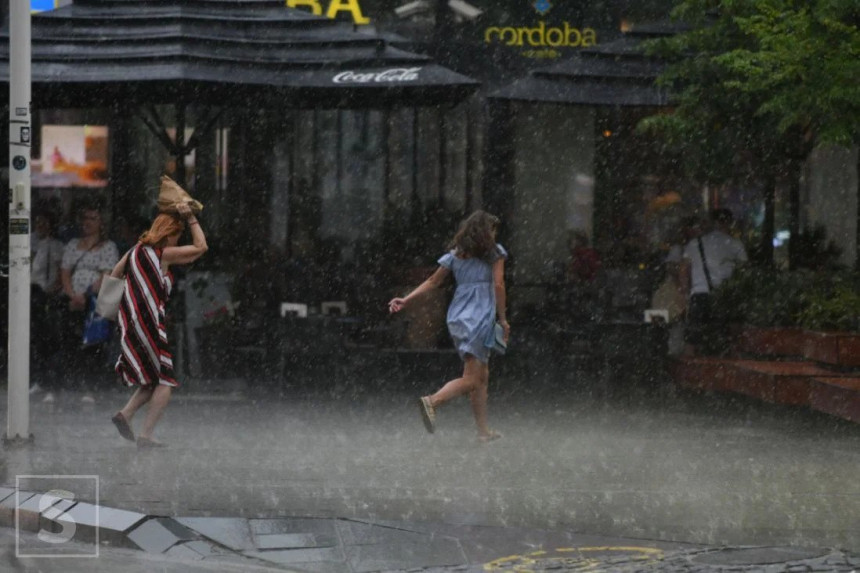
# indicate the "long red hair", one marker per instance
pixel 162 227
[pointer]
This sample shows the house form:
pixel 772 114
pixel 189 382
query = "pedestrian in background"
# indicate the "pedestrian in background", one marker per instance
pixel 146 362
pixel 85 260
pixel 581 278
pixel 708 260
pixel 478 265
pixel 670 294
pixel 45 287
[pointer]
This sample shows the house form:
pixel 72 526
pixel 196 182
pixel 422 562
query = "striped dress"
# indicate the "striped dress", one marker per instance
pixel 145 359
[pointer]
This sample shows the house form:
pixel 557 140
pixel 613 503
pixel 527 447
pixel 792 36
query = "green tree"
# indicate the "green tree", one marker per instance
pixel 759 83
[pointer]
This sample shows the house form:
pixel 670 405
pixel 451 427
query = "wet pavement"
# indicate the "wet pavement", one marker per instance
pixel 339 475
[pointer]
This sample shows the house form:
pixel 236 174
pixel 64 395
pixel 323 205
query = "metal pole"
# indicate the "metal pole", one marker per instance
pixel 18 426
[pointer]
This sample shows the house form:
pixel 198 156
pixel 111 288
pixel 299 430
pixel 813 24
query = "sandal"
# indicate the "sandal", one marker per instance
pixel 491 437
pixel 122 426
pixel 428 414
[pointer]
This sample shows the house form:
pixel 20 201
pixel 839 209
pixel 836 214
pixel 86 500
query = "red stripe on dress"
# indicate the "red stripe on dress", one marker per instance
pixel 128 355
pixel 143 323
pixel 143 267
pixel 144 327
pixel 145 320
pixel 144 368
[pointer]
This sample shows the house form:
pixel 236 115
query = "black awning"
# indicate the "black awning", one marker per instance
pixel 221 52
pixel 614 74
pixel 588 92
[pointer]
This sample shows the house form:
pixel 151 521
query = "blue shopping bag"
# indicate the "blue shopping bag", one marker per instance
pixel 97 329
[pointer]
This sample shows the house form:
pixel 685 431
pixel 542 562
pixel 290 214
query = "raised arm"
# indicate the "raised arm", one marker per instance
pixel 187 253
pixel 435 281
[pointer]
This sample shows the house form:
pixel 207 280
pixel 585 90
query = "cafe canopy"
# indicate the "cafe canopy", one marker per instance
pixel 617 73
pixel 221 52
pixel 131 55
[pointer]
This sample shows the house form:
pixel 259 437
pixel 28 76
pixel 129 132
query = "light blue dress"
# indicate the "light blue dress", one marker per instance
pixel 472 313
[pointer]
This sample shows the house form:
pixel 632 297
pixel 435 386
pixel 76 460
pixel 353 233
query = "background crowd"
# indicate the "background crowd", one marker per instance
pixel 68 263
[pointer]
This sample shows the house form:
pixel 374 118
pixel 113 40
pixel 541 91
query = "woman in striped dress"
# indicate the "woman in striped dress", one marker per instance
pixel 145 361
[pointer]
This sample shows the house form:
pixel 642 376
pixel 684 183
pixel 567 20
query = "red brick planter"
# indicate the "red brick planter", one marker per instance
pixel 835 348
pixel 782 382
pixel 770 341
pixel 839 397
pixel 832 348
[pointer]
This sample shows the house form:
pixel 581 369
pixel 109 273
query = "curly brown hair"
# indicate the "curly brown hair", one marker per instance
pixel 475 237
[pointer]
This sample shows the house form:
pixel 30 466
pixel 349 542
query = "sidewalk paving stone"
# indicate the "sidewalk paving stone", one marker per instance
pixel 159 534
pixel 204 548
pixel 233 533
pixel 183 552
pixel 47 518
pixel 758 555
pixel 291 541
pixel 295 556
pixel 112 524
pixel 5 492
pixel 405 551
pixel 31 510
pixel 8 506
pixel 292 525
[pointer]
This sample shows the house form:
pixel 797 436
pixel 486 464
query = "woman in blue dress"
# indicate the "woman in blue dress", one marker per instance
pixel 478 265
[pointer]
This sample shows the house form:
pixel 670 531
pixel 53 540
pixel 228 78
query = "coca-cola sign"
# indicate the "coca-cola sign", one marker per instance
pixel 394 75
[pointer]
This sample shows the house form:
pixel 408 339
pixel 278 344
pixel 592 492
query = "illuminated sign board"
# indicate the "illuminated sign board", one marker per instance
pixel 42 5
pixel 332 8
pixel 540 29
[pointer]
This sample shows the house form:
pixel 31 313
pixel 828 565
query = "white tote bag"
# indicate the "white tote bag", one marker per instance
pixel 110 295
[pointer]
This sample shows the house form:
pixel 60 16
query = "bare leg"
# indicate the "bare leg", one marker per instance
pixel 457 387
pixel 160 398
pixel 478 396
pixel 140 397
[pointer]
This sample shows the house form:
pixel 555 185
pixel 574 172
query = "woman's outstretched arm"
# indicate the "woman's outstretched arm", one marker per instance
pixel 435 281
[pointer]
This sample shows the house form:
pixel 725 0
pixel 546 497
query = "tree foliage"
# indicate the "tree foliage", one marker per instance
pixel 756 81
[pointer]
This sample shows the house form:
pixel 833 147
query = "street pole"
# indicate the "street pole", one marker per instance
pixel 18 426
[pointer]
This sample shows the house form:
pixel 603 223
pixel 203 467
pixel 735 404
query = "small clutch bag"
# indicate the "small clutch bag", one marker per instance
pixel 499 344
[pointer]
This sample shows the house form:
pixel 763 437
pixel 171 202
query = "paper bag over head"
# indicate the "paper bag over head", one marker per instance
pixel 172 194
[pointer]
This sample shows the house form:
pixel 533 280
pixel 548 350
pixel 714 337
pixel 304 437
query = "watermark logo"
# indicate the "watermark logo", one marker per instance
pixel 57 516
pixel 48 508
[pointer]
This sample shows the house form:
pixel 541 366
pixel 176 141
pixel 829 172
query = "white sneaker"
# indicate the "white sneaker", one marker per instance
pixel 88 399
pixel 35 389
pixel 49 398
